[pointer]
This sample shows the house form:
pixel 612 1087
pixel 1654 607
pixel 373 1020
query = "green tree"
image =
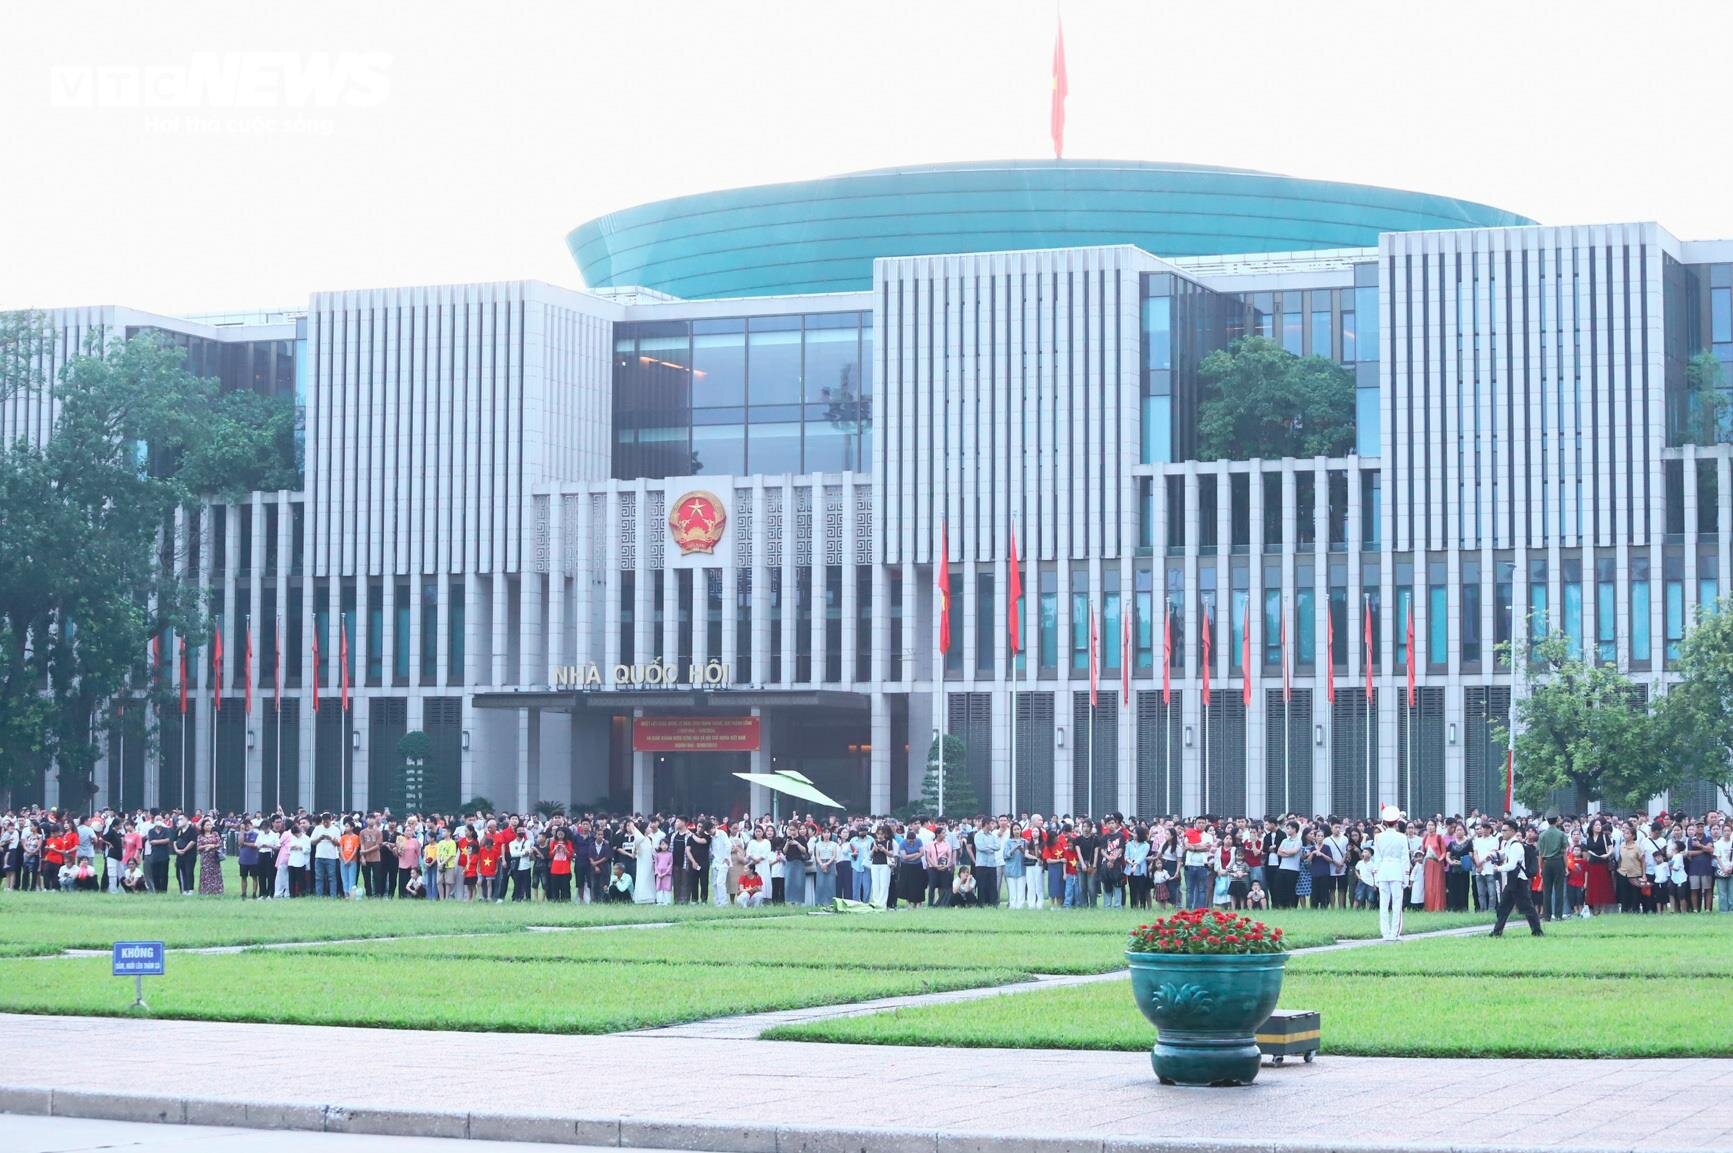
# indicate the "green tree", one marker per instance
pixel 1695 718
pixel 1261 401
pixel 959 791
pixel 1702 417
pixel 1584 727
pixel 85 578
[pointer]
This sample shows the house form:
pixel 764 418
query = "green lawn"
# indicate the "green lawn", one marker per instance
pixel 1526 997
pixel 1302 927
pixel 35 923
pixel 452 993
pixel 473 966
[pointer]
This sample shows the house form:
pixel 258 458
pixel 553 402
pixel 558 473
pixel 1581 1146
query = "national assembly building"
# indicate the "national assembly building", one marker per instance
pixel 748 502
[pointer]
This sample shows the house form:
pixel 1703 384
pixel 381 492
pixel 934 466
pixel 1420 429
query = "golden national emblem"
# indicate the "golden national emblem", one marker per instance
pixel 697 520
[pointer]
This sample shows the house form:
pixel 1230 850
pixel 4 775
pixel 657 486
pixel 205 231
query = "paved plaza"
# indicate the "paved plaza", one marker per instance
pixel 749 1096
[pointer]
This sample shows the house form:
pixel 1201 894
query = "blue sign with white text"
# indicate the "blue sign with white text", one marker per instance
pixel 138 958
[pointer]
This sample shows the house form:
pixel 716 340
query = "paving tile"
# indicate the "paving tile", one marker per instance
pixel 805 1098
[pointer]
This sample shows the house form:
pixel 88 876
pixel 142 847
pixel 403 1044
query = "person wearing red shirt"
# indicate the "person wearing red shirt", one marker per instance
pixel 54 848
pixel 1054 854
pixel 466 866
pixel 487 870
pixel 560 854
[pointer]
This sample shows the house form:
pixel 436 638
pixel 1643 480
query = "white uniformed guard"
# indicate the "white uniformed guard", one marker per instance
pixel 1390 870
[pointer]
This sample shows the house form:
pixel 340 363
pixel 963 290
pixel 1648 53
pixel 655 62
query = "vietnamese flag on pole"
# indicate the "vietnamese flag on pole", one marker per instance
pixel 247 671
pixel 277 670
pixel 1013 609
pixel 1411 652
pixel 217 670
pixel 1330 657
pixel 1094 662
pixel 1056 115
pixel 1167 653
pixel 1208 628
pixel 942 590
pixel 343 661
pixel 1125 657
pixel 315 672
pixel 1366 652
pixel 184 678
pixel 1246 655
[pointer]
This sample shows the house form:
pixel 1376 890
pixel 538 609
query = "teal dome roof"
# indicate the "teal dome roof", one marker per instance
pixel 822 235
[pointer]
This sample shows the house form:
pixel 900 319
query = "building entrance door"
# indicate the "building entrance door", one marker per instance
pixel 688 784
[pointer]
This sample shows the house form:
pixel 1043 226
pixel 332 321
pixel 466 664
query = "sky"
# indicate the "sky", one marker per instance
pixel 198 157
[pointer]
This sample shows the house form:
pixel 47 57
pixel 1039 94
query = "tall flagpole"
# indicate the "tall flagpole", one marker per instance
pixel 1014 586
pixel 1167 696
pixel 942 603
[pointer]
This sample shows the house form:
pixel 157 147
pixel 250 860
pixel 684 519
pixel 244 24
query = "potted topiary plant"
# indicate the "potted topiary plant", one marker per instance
pixel 1206 980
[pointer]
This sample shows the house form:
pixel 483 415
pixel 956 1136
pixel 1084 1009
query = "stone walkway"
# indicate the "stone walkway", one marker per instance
pixel 783 1097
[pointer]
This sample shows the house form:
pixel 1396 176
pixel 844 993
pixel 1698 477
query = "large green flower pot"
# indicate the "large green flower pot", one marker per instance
pixel 1206 1010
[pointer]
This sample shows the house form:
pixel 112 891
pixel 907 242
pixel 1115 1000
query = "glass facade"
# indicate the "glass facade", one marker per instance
pixel 761 395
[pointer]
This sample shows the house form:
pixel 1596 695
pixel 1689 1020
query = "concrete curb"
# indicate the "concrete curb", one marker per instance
pixel 641 1133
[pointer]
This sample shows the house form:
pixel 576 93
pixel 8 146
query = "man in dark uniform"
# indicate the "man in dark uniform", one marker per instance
pixel 1518 861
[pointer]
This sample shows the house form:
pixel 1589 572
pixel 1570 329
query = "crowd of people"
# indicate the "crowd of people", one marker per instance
pixel 1563 866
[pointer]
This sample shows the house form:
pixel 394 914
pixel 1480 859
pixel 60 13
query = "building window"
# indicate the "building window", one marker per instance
pixel 1048 654
pixel 1606 613
pixel 1371 511
pixel 954 610
pixel 1437 627
pixel 1571 606
pixel 1143 627
pixel 1111 636
pixel 863 628
pixel 833 623
pixel 1470 616
pixel 454 674
pixel 1273 629
pixel 1504 610
pixel 375 634
pixel 628 617
pixel 986 635
pixel 1675 619
pixel 1080 627
pixel 1368 417
pixel 1641 612
pixel 743 625
pixel 1239 606
pixel 401 609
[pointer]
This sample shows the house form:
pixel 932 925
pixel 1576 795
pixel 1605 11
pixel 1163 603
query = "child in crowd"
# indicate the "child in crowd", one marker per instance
pixel 964 886
pixel 1256 898
pixel 664 862
pixel 1365 887
pixel 751 888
